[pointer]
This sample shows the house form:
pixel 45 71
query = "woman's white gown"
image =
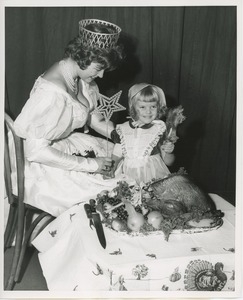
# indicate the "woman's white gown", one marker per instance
pixel 47 121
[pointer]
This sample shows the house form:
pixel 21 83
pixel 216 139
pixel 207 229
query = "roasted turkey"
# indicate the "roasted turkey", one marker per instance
pixel 178 194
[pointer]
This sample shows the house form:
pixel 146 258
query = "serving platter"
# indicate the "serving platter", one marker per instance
pixel 199 227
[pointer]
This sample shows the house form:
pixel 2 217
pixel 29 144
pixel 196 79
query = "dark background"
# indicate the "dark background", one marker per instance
pixel 190 52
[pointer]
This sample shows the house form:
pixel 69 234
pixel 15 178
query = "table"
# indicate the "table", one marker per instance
pixel 187 262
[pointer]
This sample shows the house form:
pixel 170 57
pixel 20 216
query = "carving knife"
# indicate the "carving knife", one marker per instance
pixel 95 221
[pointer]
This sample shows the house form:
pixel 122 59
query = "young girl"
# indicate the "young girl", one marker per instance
pixel 141 151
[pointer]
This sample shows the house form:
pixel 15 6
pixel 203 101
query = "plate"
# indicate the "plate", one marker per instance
pixel 198 229
pixel 191 230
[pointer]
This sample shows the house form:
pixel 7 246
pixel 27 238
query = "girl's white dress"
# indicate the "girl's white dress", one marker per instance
pixel 139 147
pixel 47 122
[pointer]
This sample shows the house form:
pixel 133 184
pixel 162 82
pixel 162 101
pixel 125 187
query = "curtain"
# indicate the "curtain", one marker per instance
pixel 190 52
pixel 208 95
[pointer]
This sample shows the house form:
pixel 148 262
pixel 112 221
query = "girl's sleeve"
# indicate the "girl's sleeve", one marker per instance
pixel 45 118
pixel 115 137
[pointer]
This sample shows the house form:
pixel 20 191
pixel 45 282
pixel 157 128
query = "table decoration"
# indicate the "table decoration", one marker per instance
pixel 139 211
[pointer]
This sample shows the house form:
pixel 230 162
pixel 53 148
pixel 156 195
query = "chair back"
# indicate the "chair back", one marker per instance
pixel 14 162
pixel 18 224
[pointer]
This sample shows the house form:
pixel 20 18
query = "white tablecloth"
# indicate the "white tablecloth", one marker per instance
pixel 196 262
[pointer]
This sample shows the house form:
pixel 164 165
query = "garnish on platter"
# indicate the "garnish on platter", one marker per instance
pixel 155 208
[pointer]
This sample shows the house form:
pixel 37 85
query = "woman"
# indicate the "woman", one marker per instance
pixel 64 167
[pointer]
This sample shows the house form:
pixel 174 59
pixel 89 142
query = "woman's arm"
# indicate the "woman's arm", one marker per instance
pixel 116 158
pixel 40 151
pixel 97 122
pixel 42 121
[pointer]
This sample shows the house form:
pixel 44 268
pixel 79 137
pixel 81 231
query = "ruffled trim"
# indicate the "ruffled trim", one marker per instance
pixel 156 139
pixel 119 131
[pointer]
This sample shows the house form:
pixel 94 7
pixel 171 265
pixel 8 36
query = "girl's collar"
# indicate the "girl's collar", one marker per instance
pixel 133 124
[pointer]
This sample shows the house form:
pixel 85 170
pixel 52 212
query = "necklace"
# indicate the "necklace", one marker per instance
pixel 72 84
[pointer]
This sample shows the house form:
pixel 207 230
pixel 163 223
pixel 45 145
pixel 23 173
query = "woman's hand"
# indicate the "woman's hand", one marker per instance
pixel 104 164
pixel 168 147
pixel 115 162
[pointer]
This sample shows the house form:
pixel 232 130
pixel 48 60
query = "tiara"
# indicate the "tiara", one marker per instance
pixel 102 40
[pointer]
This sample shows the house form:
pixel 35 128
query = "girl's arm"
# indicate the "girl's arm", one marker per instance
pixel 166 150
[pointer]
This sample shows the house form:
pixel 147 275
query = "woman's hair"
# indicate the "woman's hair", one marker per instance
pixel 147 94
pixel 109 59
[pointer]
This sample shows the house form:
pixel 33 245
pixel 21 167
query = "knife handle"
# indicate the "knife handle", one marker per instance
pixel 88 210
pixel 92 204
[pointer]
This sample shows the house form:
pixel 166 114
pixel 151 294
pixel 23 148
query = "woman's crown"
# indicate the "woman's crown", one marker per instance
pixel 106 39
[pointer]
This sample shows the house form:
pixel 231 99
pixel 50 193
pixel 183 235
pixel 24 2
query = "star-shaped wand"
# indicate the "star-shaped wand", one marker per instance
pixel 108 106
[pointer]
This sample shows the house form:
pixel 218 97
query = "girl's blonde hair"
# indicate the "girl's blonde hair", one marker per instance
pixel 146 93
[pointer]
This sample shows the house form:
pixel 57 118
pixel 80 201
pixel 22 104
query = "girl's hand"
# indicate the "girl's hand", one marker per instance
pixel 168 147
pixel 104 163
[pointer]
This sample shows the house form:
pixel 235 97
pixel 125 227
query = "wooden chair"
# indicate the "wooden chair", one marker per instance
pixel 17 226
